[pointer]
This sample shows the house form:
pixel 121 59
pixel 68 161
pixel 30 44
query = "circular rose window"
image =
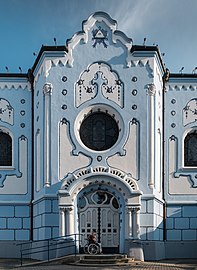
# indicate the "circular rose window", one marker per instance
pixel 99 131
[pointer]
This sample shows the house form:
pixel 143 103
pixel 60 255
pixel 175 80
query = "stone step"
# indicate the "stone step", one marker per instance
pixel 117 259
pixel 104 256
pixel 103 261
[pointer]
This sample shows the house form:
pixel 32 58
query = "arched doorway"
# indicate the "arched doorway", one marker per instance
pixel 114 211
pixel 99 210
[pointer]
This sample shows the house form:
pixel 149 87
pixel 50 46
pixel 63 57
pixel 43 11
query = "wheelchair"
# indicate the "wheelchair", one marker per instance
pixel 92 248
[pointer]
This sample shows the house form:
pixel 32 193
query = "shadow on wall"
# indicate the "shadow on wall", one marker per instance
pixel 179 239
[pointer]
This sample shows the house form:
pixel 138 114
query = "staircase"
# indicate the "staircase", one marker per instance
pixel 100 259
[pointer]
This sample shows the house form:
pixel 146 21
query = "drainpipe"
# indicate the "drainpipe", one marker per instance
pixel 31 80
pixel 165 79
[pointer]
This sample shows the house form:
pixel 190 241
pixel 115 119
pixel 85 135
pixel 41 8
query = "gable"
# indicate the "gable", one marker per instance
pixel 99 33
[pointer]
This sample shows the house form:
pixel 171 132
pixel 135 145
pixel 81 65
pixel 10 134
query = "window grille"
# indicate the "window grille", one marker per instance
pixel 99 131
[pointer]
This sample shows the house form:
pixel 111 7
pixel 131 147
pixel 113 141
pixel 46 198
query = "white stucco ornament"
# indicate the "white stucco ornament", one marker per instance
pixel 99 79
pixel 100 36
pixel 151 89
pixel 6 112
pixel 47 88
pixel 190 112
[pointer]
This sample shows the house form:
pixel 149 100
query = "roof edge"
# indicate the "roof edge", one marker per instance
pixel 141 48
pixel 182 75
pixel 14 75
pixel 47 49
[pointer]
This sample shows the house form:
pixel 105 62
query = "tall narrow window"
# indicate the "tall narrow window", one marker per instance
pixel 5 149
pixel 190 149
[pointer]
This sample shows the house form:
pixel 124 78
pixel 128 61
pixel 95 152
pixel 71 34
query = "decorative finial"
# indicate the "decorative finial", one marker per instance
pixel 181 70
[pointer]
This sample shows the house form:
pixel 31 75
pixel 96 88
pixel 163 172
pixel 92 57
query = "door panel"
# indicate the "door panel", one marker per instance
pixel 99 212
pixel 109 227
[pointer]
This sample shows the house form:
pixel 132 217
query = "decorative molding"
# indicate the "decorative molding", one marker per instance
pixel 7 85
pixel 38 160
pixel 6 112
pixel 82 37
pixel 99 78
pixel 189 112
pixel 60 62
pixel 130 161
pixel 61 58
pixel 173 138
pixel 151 89
pixel 48 60
pixel 192 177
pixel 184 175
pixel 135 144
pixel 140 62
pixel 99 37
pixel 151 143
pixel 158 72
pixel 8 176
pixel 75 132
pixel 68 162
pixel 173 101
pixel 47 88
pixel 101 171
pixel 8 172
pixel 146 63
pixel 175 87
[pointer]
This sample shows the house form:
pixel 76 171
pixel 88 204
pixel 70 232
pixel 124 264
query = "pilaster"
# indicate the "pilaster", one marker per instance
pixel 47 90
pixel 151 176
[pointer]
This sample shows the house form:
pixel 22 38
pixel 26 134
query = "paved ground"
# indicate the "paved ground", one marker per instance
pixel 164 265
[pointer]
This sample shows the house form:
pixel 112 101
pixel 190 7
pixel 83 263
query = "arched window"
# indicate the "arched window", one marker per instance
pixel 190 149
pixel 5 149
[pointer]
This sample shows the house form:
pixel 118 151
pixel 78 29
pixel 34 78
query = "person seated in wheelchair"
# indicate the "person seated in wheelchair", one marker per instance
pixel 92 238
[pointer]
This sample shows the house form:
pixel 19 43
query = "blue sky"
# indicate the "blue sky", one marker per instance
pixel 27 24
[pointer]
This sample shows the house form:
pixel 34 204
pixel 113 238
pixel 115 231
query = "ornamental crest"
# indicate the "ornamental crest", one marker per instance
pixel 99 80
pixel 99 36
pixel 6 112
pixel 190 112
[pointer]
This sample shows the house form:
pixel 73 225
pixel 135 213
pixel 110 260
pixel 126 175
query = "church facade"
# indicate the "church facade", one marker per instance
pixel 100 135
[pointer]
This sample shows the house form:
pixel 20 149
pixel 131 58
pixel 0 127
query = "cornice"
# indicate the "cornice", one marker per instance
pixel 14 81
pixel 45 49
pixel 145 52
pixel 13 75
pixel 182 87
pixel 182 81
pixel 48 56
pixel 183 75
